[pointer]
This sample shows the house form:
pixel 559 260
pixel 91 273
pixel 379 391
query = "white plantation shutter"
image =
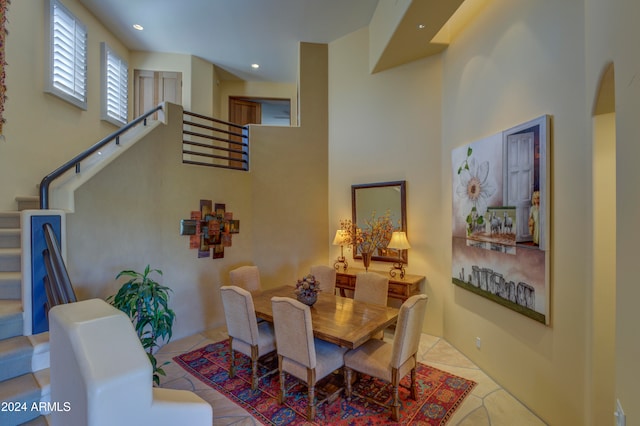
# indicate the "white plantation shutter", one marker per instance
pixel 115 87
pixel 68 56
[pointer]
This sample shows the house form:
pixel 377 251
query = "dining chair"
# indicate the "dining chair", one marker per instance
pixel 299 353
pixel 391 361
pixel 371 287
pixel 246 335
pixel 246 277
pixel 326 276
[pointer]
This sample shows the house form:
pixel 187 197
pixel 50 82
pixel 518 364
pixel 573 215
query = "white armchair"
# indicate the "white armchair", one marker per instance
pixel 98 367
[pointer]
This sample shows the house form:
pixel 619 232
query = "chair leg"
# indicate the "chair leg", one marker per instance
pixel 283 390
pixel 232 356
pixel 414 393
pixel 254 367
pixel 311 386
pixel 395 403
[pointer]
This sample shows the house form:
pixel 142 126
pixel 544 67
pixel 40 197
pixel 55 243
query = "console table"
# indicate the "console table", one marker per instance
pixel 399 288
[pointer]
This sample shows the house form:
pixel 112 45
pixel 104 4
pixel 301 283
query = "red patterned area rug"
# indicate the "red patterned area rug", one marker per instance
pixel 439 393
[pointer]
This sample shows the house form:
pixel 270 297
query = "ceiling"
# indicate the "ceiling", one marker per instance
pixel 233 34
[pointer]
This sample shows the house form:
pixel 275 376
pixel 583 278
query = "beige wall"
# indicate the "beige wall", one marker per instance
pixel 289 169
pixel 386 127
pixel 383 23
pixel 258 89
pixel 604 267
pixel 36 131
pixel 200 84
pixel 129 214
pixel 203 76
pixel 611 35
pixel 171 62
pixel 516 62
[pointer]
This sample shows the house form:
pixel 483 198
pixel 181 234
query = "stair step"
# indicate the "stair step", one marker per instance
pixel 10 237
pixel 28 202
pixel 38 421
pixel 21 355
pixel 10 259
pixel 10 219
pixel 15 357
pixel 10 285
pixel 29 389
pixel 10 319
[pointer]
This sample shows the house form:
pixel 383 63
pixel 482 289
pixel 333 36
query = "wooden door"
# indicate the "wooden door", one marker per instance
pixel 520 180
pixel 154 87
pixel 242 112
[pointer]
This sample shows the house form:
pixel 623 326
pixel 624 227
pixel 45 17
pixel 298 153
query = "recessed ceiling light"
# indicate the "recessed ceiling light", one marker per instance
pixel 421 26
pixel 138 27
pixel 255 66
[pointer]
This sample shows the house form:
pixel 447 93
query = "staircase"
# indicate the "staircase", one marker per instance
pixel 24 360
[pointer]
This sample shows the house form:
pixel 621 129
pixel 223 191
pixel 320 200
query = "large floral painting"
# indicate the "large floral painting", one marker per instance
pixel 500 218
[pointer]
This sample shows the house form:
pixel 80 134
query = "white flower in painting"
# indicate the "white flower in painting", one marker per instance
pixel 475 185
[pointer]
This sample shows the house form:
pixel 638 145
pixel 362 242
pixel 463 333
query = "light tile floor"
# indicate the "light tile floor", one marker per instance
pixel 487 405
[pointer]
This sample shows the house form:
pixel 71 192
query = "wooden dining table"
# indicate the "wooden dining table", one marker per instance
pixel 336 319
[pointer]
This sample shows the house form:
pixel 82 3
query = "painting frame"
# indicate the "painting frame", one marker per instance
pixel 501 189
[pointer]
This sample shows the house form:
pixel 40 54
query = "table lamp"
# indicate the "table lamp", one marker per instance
pixel 398 242
pixel 339 241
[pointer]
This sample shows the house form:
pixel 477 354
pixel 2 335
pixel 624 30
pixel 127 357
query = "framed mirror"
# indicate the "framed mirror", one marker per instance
pixel 379 198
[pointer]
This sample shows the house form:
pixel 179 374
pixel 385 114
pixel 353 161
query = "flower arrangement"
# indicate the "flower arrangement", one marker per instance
pixel 375 235
pixel 307 289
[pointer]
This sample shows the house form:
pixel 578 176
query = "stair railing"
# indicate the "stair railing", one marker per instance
pixel 76 161
pixel 57 283
pixel 214 143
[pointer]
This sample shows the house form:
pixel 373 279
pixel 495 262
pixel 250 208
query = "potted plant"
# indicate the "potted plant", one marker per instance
pixel 147 304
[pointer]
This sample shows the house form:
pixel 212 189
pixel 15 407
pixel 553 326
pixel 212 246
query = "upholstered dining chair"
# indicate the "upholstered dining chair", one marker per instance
pixel 326 276
pixel 246 277
pixel 391 361
pixel 371 287
pixel 299 353
pixel 246 335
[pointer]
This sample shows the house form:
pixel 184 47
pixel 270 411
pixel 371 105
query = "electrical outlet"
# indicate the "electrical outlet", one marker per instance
pixel 478 342
pixel 621 419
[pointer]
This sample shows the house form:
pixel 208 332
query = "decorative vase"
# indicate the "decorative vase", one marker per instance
pixel 366 260
pixel 308 299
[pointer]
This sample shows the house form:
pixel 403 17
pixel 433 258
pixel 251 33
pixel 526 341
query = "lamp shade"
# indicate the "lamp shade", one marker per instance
pixel 399 241
pixel 339 238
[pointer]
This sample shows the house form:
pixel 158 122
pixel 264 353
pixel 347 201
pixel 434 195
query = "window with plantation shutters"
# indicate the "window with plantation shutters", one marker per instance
pixel 67 77
pixel 115 86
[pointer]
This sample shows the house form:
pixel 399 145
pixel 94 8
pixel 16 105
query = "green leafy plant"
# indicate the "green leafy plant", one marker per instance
pixel 147 304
